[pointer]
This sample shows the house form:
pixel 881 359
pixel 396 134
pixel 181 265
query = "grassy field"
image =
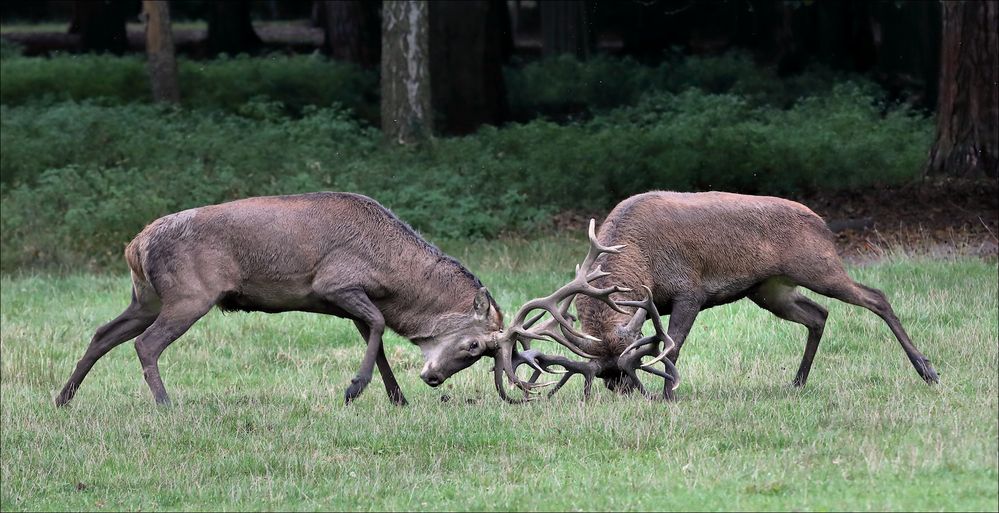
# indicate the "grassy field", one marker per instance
pixel 258 420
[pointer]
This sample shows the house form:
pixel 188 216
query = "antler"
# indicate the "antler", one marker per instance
pixel 647 308
pixel 558 328
pixel 557 303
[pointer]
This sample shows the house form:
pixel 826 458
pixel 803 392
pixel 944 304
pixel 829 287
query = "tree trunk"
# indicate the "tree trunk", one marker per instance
pixel 565 28
pixel 161 62
pixel 967 141
pixel 466 61
pixel 351 31
pixel 230 29
pixel 406 114
pixel 101 25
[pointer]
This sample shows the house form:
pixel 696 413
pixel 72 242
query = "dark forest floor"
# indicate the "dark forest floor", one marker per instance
pixel 941 219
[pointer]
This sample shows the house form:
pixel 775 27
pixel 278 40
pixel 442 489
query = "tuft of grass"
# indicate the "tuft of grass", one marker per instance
pixel 258 421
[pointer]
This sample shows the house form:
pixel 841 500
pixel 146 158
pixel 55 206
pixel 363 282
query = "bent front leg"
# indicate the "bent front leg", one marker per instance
pixel 392 387
pixel 356 303
pixel 680 321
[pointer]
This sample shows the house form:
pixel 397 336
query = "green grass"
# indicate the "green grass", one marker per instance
pixel 258 420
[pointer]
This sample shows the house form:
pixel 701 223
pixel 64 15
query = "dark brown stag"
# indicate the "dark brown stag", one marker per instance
pixel 691 251
pixel 333 253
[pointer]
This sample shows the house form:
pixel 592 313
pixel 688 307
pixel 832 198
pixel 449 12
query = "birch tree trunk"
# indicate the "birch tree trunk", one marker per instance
pixel 161 61
pixel 967 141
pixel 406 110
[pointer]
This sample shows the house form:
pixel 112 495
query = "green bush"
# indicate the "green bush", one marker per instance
pixel 561 88
pixel 80 179
pixel 35 138
pixel 226 83
pixel 9 50
pixel 564 87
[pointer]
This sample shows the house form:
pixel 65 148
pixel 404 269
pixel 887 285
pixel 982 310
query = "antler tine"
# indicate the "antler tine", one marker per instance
pixel 536 360
pixel 653 313
pixel 587 369
pixel 596 249
pixel 579 285
pixel 650 307
pixel 530 322
pixel 554 331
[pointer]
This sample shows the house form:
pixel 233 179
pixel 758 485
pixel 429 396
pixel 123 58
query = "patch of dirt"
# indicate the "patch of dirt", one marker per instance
pixel 939 219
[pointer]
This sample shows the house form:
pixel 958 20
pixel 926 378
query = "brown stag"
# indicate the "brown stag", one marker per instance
pixel 333 253
pixel 693 251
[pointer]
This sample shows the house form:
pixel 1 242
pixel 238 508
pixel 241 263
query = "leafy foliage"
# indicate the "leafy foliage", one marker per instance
pixel 87 160
pixel 80 179
pixel 559 87
pixel 226 84
pixel 566 88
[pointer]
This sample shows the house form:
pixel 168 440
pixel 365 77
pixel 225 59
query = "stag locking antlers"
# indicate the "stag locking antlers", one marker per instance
pixel 559 328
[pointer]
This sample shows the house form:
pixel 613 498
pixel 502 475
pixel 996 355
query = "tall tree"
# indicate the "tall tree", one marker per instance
pixel 230 29
pixel 967 140
pixel 466 63
pixel 406 106
pixel 101 25
pixel 161 61
pixel 351 31
pixel 565 28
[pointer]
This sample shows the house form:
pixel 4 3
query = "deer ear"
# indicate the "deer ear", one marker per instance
pixel 481 304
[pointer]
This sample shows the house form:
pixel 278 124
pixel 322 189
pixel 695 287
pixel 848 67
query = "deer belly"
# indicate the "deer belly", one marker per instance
pixel 273 299
pixel 728 291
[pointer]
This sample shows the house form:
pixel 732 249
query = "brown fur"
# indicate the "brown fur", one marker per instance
pixel 334 253
pixel 699 250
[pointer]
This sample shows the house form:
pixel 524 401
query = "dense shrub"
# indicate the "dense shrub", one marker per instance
pixel 225 83
pixel 565 88
pixel 36 138
pixel 9 49
pixel 560 88
pixel 80 179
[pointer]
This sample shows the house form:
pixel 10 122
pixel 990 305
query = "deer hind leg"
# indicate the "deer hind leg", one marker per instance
pixel 139 315
pixel 849 291
pixel 830 279
pixel 392 387
pixel 174 320
pixel 780 298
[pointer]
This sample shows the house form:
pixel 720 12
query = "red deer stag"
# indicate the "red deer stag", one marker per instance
pixel 333 253
pixel 693 251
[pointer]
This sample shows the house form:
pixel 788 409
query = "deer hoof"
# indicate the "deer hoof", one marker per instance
pixel 927 372
pixel 357 386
